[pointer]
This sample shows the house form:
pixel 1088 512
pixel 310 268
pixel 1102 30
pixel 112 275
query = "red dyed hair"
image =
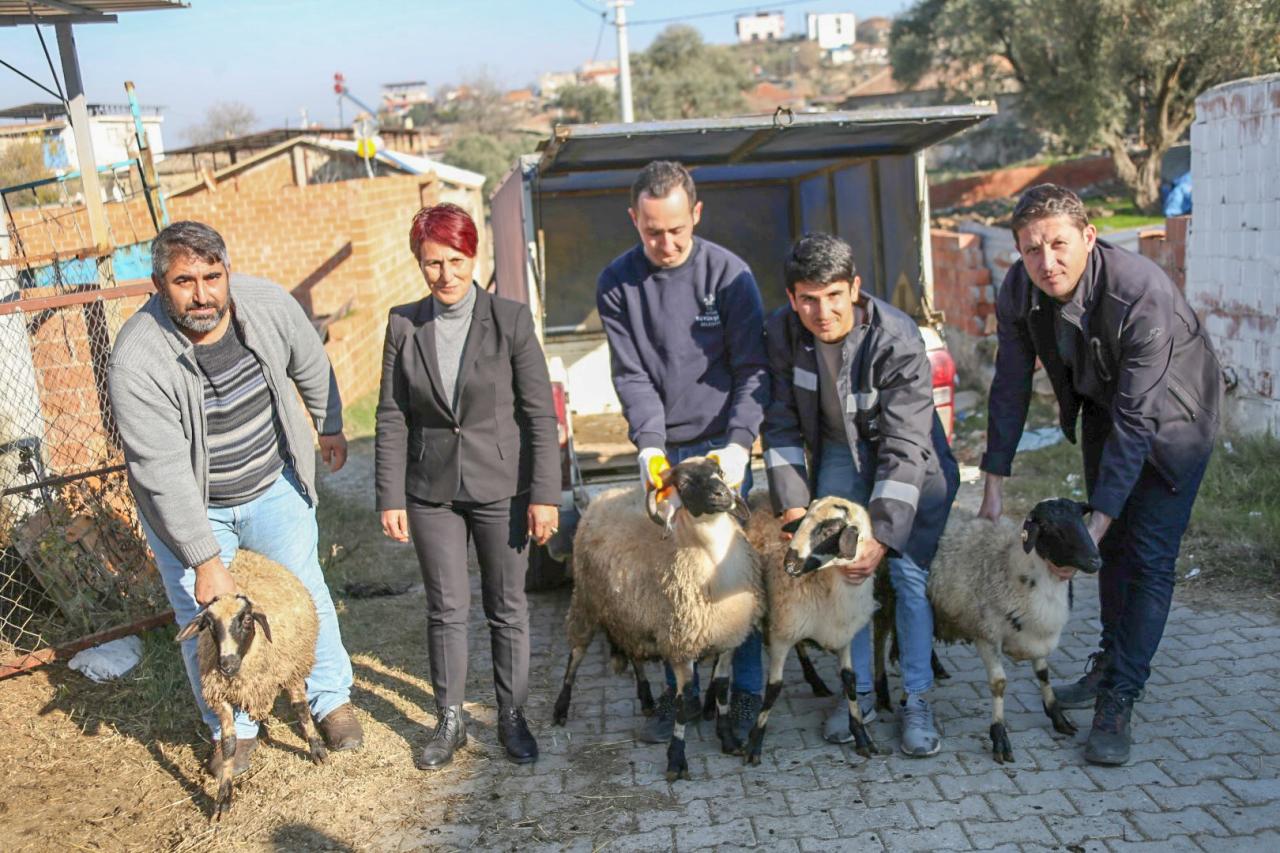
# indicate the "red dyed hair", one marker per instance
pixel 447 224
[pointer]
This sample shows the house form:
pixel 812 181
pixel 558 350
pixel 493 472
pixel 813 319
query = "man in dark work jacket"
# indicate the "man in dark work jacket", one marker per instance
pixel 1122 349
pixel 685 324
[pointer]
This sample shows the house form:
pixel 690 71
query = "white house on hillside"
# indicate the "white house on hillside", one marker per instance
pixel 831 30
pixel 762 26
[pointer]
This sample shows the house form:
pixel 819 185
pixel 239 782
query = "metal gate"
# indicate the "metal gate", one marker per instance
pixel 74 566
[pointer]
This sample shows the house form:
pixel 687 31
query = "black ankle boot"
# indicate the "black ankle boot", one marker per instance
pixel 450 733
pixel 1111 736
pixel 514 734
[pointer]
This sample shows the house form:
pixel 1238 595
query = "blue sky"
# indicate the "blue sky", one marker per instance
pixel 279 56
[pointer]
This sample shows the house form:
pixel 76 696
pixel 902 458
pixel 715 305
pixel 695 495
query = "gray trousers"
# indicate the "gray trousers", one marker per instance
pixel 440 534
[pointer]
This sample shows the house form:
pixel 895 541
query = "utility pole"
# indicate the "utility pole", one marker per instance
pixel 624 59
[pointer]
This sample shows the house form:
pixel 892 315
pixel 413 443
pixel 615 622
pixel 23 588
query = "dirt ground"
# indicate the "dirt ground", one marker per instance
pixel 111 767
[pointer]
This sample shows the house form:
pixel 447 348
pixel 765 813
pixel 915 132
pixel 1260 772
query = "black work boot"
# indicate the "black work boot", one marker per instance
pixel 450 733
pixel 1111 737
pixel 1084 692
pixel 514 734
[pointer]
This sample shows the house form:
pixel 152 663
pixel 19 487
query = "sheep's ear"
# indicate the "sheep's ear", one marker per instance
pixel 849 542
pixel 198 623
pixel 740 510
pixel 793 525
pixel 1030 532
pixel 261 619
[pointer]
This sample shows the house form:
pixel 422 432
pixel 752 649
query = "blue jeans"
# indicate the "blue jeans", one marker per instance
pixel 914 617
pixel 279 524
pixel 748 671
pixel 1135 586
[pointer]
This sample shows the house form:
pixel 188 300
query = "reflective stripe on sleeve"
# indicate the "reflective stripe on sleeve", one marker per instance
pixel 806 379
pixel 776 457
pixel 896 491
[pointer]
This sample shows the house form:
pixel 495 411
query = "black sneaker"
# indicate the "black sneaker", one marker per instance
pixel 743 710
pixel 662 725
pixel 1111 736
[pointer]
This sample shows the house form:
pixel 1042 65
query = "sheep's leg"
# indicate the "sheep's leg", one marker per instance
pixel 643 691
pixel 1000 746
pixel 1052 709
pixel 729 743
pixel 811 676
pixel 939 671
pixel 862 743
pixel 297 693
pixel 709 703
pixel 882 626
pixel 561 713
pixel 755 740
pixel 227 722
pixel 687 711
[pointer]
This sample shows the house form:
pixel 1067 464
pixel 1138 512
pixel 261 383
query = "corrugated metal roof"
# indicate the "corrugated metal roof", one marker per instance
pixel 755 139
pixel 16 12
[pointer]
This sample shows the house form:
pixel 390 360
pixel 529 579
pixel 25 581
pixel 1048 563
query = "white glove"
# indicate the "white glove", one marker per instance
pixel 733 460
pixel 652 460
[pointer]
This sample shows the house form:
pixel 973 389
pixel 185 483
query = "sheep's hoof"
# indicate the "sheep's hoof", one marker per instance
pixel 754 747
pixel 1061 723
pixel 862 743
pixel 939 671
pixel 318 751
pixel 820 688
pixel 729 743
pixel 883 702
pixel 222 804
pixel 1001 749
pixel 644 693
pixel 561 713
pixel 677 764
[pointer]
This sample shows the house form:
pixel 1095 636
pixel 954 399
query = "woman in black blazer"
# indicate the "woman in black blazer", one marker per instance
pixel 466 448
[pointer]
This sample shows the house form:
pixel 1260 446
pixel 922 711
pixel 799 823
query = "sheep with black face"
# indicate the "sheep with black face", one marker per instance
pixel 990 584
pixel 685 588
pixel 809 599
pixel 251 646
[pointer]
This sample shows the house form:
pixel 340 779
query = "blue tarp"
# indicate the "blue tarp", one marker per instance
pixel 132 261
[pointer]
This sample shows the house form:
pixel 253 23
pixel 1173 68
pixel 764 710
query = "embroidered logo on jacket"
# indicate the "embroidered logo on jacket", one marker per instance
pixel 710 316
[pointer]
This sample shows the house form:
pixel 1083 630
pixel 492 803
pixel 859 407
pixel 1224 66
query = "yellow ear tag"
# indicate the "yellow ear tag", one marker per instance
pixel 658 466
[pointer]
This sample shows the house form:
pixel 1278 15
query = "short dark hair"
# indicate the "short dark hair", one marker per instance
pixel 819 259
pixel 661 178
pixel 187 237
pixel 1043 201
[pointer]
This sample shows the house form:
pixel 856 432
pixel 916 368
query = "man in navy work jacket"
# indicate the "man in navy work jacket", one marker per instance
pixel 852 415
pixel 684 321
pixel 1124 350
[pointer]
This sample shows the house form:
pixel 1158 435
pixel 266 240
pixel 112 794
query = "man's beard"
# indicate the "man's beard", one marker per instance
pixel 195 324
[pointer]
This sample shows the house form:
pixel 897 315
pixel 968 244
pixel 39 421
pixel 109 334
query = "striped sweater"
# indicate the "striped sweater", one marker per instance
pixel 245 448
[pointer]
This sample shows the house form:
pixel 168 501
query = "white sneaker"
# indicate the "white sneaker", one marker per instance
pixel 836 727
pixel 920 737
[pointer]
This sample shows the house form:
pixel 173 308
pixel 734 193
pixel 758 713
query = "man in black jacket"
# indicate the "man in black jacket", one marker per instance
pixel 851 414
pixel 1124 351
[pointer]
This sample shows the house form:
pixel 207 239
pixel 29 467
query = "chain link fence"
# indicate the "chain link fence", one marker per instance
pixel 73 561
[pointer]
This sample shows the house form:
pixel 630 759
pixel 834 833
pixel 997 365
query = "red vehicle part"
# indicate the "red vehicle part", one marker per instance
pixel 944 380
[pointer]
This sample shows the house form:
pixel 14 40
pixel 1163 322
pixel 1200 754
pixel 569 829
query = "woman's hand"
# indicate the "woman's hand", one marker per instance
pixel 543 521
pixel 395 524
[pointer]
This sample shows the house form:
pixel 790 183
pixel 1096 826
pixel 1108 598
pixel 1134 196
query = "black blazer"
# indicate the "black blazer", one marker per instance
pixel 502 439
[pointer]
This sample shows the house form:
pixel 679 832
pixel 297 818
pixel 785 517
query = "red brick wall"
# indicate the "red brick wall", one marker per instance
pixel 44 230
pixel 1001 183
pixel 1168 248
pixel 962 287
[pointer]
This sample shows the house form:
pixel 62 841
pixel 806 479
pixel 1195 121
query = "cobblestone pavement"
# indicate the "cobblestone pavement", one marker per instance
pixel 1203 775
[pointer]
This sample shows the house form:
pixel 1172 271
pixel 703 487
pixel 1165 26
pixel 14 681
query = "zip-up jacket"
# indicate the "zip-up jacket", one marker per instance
pixel 158 400
pixel 1144 357
pixel 886 383
pixel 685 346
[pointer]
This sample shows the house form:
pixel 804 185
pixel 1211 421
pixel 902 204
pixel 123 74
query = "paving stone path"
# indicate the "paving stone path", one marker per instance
pixel 1205 771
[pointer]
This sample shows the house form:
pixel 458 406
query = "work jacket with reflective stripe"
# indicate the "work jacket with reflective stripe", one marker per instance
pixel 886 384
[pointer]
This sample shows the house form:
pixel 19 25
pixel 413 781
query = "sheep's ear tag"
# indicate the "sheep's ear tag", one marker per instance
pixel 658 467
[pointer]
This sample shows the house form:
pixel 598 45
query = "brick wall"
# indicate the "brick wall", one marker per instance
pixel 1233 252
pixel 1002 183
pixel 44 230
pixel 1168 248
pixel 962 286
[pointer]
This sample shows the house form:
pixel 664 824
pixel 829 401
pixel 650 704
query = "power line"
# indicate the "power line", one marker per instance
pixel 737 11
pixel 592 9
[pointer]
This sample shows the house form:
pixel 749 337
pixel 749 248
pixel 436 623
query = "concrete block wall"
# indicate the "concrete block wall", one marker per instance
pixel 1233 253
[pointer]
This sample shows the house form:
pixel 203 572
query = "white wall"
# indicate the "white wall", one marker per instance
pixel 763 27
pixel 831 30
pixel 1233 253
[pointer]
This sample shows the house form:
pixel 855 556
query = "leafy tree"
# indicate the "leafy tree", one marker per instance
pixel 680 76
pixel 21 163
pixel 1095 73
pixel 588 103
pixel 490 155
pixel 223 120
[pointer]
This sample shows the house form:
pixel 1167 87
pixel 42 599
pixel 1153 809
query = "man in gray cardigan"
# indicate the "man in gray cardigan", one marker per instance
pixel 219 453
